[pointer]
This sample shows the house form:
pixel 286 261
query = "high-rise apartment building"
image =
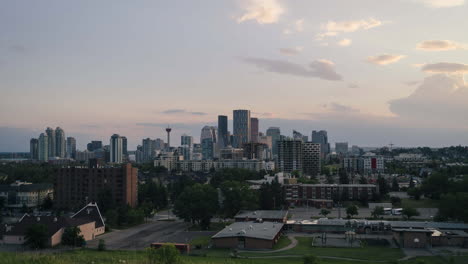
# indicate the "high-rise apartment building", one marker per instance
pixel 341 148
pixel 312 161
pixel 124 146
pixel 94 145
pixel 321 137
pixel 116 149
pixel 43 147
pixel 242 129
pixel 209 132
pixel 148 149
pixel 51 142
pixel 75 187
pixel 71 148
pixel 275 134
pixel 223 137
pixel 254 150
pixel 290 155
pixel 34 148
pixel 254 129
pixel 60 143
pixel 186 140
pixel 208 148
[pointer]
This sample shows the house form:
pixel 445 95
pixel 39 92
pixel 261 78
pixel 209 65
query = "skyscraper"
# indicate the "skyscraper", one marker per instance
pixel 341 148
pixel 207 145
pixel 124 146
pixel 71 148
pixel 94 145
pixel 116 149
pixel 60 143
pixel 43 147
pixel 34 148
pixel 275 134
pixel 290 155
pixel 223 138
pixel 186 140
pixel 148 149
pixel 311 163
pixel 51 142
pixel 241 124
pixel 321 137
pixel 209 132
pixel 254 129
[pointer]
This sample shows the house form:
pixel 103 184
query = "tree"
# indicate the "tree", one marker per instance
pixel 271 196
pixel 325 212
pixel 415 193
pixel 351 211
pixel 167 254
pixel 101 245
pixel 450 207
pixel 310 259
pixel 36 236
pixel 395 186
pixel 396 201
pixel 362 180
pixel 71 237
pixel 47 204
pixel 383 185
pixel 409 212
pixel 197 204
pixel 344 179
pixel 237 196
pixel 378 211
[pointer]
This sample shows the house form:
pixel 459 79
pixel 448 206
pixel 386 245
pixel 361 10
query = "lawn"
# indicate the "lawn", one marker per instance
pixel 367 253
pixel 283 242
pixel 422 203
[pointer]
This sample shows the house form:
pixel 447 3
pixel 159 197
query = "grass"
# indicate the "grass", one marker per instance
pixel 139 257
pixel 422 203
pixel 304 247
pixel 283 242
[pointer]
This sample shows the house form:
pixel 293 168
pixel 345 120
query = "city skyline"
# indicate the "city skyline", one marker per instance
pixel 390 72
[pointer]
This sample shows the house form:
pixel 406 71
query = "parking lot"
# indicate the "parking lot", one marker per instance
pixel 303 213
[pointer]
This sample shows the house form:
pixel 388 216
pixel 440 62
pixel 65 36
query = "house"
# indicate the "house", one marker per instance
pixel 88 220
pixel 248 235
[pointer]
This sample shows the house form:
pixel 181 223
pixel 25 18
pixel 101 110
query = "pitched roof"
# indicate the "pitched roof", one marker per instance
pixel 265 230
pixel 53 224
pixel 90 212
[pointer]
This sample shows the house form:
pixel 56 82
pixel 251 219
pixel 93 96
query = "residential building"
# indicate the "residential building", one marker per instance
pixel 230 153
pixel 372 163
pixel 290 155
pixel 34 148
pixel 223 135
pixel 60 143
pixel 321 137
pixel 312 159
pixel 208 165
pixel 51 142
pixel 94 145
pixel 124 146
pixel 43 147
pixel 255 151
pixel 77 186
pixel 148 149
pixel 275 134
pixel 20 194
pixel 71 148
pixel 186 140
pixel 341 148
pixel 254 129
pixel 208 148
pixel 241 127
pixel 85 156
pixel 116 149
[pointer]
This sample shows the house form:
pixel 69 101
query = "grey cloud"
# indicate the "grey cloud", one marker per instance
pixel 182 111
pixel 321 69
pixel 353 85
pixel 440 45
pixel 384 59
pixel 445 67
pixel 336 107
pixel 291 51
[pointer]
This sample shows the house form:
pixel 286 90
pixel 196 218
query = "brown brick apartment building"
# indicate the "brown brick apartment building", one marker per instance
pixel 75 187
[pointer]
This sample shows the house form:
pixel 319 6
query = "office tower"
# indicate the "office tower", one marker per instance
pixel 139 154
pixel 209 132
pixel 124 146
pixel 148 149
pixel 230 153
pixel 311 164
pixel 116 149
pixel 207 146
pixel 159 144
pixel 254 129
pixel 60 143
pixel 275 134
pixel 75 187
pixel 168 130
pixel 223 134
pixel 186 140
pixel 290 155
pixel 43 147
pixel 34 148
pixel 71 147
pixel 254 150
pixel 299 136
pixel 241 124
pixel 94 145
pixel 341 148
pixel 51 142
pixel 355 150
pixel 321 137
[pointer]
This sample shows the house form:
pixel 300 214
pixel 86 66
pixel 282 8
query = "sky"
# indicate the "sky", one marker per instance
pixel 370 72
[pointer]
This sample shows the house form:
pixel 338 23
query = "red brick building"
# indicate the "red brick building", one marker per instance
pixel 75 187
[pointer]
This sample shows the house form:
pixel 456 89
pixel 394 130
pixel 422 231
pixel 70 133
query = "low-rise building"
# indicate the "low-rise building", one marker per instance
pixel 248 235
pixel 278 216
pixel 207 165
pixel 19 194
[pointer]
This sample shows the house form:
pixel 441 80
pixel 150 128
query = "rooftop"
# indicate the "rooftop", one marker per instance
pixel 262 214
pixel 265 230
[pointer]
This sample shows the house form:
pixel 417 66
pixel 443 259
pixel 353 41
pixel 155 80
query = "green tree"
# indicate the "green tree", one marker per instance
pixel 409 212
pixel 237 196
pixel 395 186
pixel 325 212
pixel 167 254
pixel 36 236
pixel 310 259
pixel 344 179
pixel 351 211
pixel 197 204
pixel 377 212
pixel 72 237
pixel 383 185
pixel 102 245
pixel 362 180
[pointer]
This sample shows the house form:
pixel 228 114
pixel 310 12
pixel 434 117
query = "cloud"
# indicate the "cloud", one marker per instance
pixel 344 42
pixel 335 27
pixel 353 85
pixel 322 69
pixel 439 45
pixel 336 107
pixel 384 59
pixel 262 11
pixel 440 99
pixel 297 26
pixel 181 111
pixel 291 51
pixel 445 67
pixel 441 3
pixel 411 83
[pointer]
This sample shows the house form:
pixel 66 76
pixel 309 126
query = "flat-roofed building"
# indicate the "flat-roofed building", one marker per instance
pixel 248 235
pixel 279 216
